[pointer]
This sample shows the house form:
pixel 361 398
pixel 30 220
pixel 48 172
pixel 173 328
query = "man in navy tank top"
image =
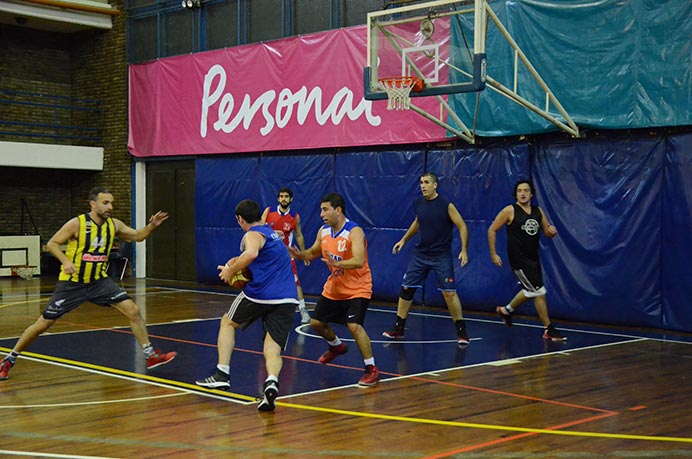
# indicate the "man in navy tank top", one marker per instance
pixel 270 296
pixel 435 218
pixel 524 224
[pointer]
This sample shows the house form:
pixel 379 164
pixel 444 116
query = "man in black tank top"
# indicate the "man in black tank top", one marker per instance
pixel 524 223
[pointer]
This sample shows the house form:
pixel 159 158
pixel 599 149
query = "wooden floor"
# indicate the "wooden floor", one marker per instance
pixel 627 398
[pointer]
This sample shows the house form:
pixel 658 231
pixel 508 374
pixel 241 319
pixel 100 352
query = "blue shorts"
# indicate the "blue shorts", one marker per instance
pixel 419 267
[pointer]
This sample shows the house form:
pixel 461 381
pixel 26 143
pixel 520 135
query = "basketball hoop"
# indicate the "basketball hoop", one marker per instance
pixel 398 90
pixel 25 272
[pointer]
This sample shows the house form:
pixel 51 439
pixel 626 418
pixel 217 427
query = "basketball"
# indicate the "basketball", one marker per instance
pixel 240 279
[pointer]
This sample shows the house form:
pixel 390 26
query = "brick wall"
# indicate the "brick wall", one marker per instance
pixel 88 65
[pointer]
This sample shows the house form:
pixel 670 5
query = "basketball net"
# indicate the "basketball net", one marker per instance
pixel 398 91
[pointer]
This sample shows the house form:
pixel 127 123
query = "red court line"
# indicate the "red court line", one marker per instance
pixel 498 441
pixel 417 378
pixel 511 394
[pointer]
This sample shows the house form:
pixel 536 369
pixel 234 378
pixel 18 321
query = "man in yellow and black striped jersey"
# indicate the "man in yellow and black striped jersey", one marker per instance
pixel 89 238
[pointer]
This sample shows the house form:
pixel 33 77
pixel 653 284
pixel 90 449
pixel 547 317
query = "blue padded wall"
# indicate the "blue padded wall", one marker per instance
pixel 219 186
pixel 676 249
pixel 479 182
pixel 379 190
pixel 604 197
pixel 622 204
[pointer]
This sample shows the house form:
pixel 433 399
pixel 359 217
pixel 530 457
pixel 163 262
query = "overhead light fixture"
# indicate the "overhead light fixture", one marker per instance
pixel 191 3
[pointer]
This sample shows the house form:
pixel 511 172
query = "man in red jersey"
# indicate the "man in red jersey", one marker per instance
pixel 286 223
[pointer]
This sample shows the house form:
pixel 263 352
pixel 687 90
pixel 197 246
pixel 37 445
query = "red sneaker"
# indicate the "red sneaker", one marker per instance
pixel 505 315
pixel 371 376
pixel 397 332
pixel 157 359
pixel 5 366
pixel 333 352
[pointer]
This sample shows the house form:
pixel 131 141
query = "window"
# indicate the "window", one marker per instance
pixel 144 39
pixel 222 24
pixel 265 20
pixel 179 31
pixel 310 16
pixel 355 12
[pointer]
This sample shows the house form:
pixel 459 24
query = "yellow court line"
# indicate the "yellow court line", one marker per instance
pixel 231 395
pixel 484 426
pixel 130 374
pixel 96 402
pixel 7 305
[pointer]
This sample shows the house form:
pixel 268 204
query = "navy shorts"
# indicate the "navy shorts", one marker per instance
pixel 70 295
pixel 343 312
pixel 419 267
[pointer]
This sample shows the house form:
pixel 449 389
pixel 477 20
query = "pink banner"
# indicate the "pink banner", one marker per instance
pixel 297 93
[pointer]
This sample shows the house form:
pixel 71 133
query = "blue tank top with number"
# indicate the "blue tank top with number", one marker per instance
pixel 272 274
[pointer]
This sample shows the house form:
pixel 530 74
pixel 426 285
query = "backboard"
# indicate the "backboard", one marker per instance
pixel 441 42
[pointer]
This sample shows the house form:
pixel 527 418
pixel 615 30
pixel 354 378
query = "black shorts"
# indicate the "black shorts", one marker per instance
pixel 531 278
pixel 70 295
pixel 277 319
pixel 341 311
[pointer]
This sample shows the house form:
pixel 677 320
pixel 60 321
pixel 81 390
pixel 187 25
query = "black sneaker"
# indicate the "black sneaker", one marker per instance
pixel 505 315
pixel 271 391
pixel 552 334
pixel 218 380
pixel 462 337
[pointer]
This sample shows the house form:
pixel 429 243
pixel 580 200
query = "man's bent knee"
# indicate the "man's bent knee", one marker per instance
pixel 536 293
pixel 407 293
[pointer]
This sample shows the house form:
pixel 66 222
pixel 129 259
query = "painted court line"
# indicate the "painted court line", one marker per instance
pixel 485 426
pixel 211 392
pixel 98 402
pixel 523 430
pixel 136 377
pixel 40 454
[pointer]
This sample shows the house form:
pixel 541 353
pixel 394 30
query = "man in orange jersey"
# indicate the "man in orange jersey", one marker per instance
pixel 348 289
pixel 89 238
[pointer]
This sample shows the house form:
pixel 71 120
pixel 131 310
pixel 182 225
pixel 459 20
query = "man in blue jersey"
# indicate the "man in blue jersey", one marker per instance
pixel 435 218
pixel 524 223
pixel 271 295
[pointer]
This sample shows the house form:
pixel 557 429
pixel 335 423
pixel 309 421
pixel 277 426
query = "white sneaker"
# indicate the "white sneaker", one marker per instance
pixel 304 316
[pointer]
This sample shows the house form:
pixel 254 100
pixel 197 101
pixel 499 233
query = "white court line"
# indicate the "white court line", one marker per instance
pixel 99 402
pixel 181 390
pixel 633 338
pixel 571 330
pixel 299 330
pixel 39 454
pixel 528 357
